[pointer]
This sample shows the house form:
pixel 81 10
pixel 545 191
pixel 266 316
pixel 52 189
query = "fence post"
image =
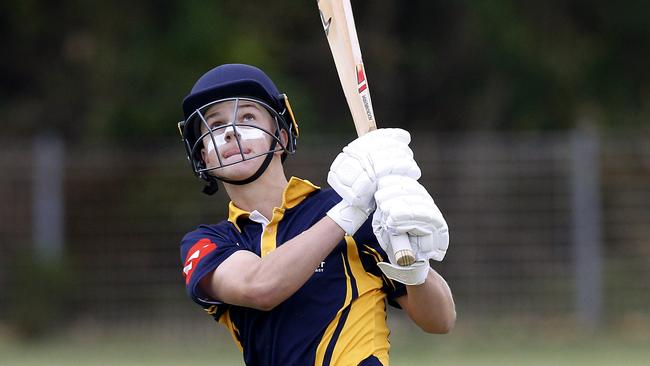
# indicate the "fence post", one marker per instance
pixel 47 197
pixel 587 224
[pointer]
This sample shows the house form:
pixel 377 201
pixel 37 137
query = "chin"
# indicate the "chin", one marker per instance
pixel 241 170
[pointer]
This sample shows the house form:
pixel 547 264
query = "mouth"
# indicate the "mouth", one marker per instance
pixel 235 151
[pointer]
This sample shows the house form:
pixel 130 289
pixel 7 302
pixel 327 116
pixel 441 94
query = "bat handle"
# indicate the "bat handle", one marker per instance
pixel 402 249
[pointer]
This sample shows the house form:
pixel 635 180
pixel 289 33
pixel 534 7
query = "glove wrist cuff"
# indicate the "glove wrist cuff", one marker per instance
pixel 414 274
pixel 348 217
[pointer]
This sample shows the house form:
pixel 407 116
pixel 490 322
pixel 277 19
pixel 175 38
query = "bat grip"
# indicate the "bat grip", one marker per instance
pixel 402 249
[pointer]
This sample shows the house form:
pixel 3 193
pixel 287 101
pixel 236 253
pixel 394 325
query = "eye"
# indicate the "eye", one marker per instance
pixel 214 122
pixel 248 117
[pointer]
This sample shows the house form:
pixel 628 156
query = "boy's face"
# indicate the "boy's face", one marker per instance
pixel 241 136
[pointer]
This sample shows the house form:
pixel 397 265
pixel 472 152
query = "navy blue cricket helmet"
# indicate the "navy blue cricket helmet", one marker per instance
pixel 228 82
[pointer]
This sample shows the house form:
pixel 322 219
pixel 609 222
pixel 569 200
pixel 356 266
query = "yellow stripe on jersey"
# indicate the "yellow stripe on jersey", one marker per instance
pixel 370 250
pixel 269 236
pixel 378 258
pixel 295 192
pixel 365 331
pixel 234 332
pixel 329 332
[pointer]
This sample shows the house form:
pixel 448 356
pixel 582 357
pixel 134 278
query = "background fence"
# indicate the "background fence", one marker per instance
pixel 544 227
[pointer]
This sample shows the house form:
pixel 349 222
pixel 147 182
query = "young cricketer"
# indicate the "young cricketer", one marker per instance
pixel 298 274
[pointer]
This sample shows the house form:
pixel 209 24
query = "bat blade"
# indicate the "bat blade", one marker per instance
pixel 338 23
pixel 341 32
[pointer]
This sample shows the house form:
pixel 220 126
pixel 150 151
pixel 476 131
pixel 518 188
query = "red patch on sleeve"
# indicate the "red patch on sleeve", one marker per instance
pixel 199 250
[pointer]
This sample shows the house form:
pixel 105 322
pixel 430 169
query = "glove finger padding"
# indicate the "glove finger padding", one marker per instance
pixel 405 207
pixel 383 237
pixel 387 151
pixel 394 134
pixel 382 157
pixel 352 182
pixel 394 160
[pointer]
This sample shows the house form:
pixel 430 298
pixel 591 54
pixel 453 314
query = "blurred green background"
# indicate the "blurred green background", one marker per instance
pixel 530 120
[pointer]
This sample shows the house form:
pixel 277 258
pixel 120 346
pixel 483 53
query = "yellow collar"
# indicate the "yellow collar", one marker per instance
pixel 295 192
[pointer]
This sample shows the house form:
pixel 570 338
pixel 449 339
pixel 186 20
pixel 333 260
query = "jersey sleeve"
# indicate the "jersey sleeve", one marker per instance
pixel 371 253
pixel 202 251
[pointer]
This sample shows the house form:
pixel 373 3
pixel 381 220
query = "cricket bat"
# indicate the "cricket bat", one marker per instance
pixel 338 23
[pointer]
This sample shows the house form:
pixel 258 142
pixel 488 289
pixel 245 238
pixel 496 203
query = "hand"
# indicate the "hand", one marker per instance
pixel 354 173
pixel 384 152
pixel 406 208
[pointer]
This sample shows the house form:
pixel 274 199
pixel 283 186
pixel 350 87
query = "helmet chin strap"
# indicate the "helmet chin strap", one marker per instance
pixel 259 171
pixel 212 186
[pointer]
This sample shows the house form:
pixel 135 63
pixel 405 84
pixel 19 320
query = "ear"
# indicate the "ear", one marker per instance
pixel 284 137
pixel 204 155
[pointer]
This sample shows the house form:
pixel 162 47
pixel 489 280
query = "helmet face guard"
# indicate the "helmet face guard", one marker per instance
pixel 227 139
pixel 241 85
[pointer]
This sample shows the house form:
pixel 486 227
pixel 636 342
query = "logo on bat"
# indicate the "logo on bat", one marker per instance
pixel 326 24
pixel 361 78
pixel 362 83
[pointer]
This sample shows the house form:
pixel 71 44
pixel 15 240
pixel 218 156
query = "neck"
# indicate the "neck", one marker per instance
pixel 262 194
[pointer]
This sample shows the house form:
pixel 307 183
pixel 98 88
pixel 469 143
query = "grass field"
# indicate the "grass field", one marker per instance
pixel 460 348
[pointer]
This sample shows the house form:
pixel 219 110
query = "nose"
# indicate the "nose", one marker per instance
pixel 230 133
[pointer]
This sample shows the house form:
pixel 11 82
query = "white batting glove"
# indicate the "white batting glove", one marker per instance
pixel 354 173
pixel 404 207
pixel 385 152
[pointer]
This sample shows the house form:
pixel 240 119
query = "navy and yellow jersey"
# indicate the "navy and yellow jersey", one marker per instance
pixel 338 317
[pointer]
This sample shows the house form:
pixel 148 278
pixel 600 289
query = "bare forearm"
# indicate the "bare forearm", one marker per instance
pixel 288 267
pixel 245 279
pixel 431 305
